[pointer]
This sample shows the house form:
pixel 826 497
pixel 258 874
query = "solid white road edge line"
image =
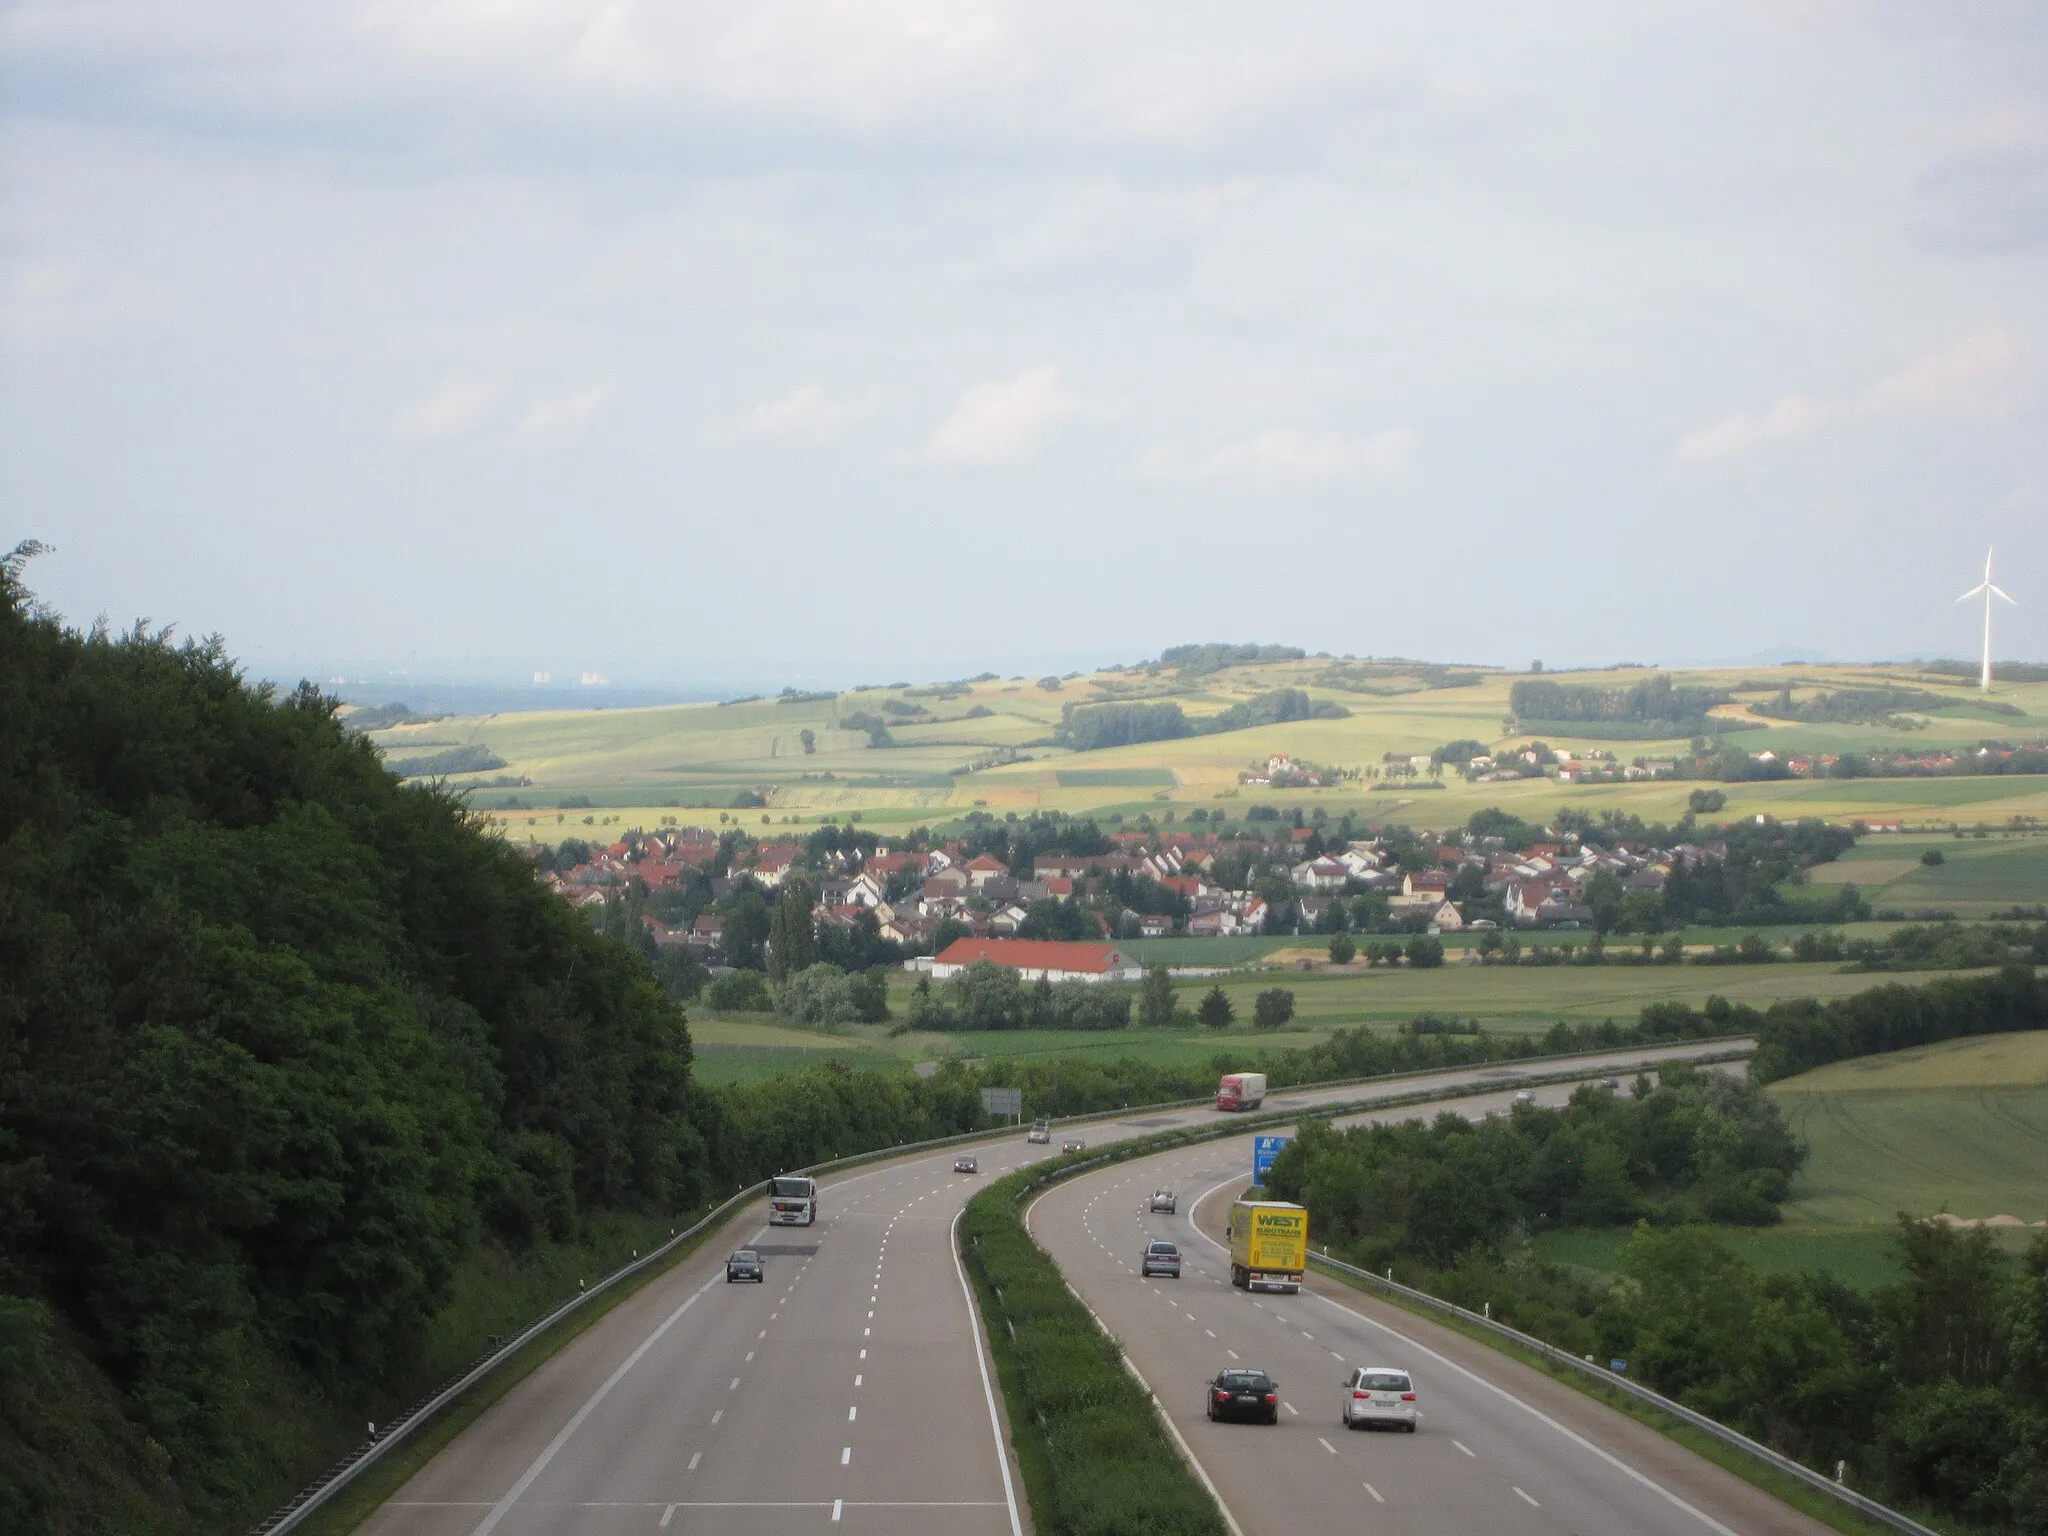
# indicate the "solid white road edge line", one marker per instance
pixel 540 1462
pixel 995 1422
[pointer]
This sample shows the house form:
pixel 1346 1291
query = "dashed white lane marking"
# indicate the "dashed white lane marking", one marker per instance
pixel 1368 1487
pixel 1233 1354
pixel 1532 1503
pixel 716 1417
pixel 838 1505
pixel 856 1379
pixel 1292 1409
pixel 695 1457
pixel 846 1456
pixel 1326 1445
pixel 1461 1445
pixel 735 1385
pixel 750 1357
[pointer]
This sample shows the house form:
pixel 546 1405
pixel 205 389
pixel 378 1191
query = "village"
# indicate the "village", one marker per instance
pixel 1156 883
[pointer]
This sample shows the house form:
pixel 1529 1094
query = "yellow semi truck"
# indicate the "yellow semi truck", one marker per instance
pixel 1268 1245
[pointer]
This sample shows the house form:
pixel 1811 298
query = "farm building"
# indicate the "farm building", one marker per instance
pixel 1033 958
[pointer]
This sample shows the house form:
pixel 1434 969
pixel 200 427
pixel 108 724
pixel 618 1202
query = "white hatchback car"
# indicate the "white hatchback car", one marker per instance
pixel 1379 1394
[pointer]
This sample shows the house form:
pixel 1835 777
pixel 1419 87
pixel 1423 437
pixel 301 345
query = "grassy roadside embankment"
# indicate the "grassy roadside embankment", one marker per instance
pixel 1094 1452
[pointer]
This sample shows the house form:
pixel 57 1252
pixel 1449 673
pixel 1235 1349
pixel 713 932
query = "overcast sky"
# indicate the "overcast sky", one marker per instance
pixel 728 343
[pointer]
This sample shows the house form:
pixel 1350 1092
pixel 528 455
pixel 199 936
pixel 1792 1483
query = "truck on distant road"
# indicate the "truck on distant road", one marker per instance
pixel 1241 1090
pixel 792 1202
pixel 1268 1245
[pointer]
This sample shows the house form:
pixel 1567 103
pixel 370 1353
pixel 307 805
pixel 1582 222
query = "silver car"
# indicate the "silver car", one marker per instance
pixel 1164 1200
pixel 1160 1258
pixel 1379 1394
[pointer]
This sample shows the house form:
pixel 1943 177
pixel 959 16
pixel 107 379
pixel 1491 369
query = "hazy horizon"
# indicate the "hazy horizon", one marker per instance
pixel 786 343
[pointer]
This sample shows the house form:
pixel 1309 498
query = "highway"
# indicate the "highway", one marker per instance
pixel 851 1388
pixel 1502 1448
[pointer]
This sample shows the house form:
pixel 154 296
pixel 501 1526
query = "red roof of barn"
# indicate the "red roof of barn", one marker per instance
pixel 1032 954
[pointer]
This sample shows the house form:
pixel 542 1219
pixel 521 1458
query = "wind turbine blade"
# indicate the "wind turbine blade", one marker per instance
pixel 2006 595
pixel 1976 591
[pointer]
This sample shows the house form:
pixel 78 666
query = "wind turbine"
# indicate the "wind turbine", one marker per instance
pixel 1987 591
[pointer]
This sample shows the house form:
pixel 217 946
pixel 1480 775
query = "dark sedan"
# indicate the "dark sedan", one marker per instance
pixel 1244 1395
pixel 744 1264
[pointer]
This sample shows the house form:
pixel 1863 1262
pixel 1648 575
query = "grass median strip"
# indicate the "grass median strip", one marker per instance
pixel 1095 1456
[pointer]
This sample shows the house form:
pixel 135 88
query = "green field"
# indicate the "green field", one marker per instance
pixel 1863 1259
pixel 1976 878
pixel 1973 1152
pixel 1960 1127
pixel 990 745
pixel 1507 1001
pixel 1116 778
pixel 1525 997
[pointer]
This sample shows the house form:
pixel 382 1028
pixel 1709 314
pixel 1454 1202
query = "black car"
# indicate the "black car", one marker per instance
pixel 744 1264
pixel 1244 1395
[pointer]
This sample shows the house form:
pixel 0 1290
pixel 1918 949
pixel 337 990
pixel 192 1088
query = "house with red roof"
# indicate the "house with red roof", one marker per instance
pixel 1034 958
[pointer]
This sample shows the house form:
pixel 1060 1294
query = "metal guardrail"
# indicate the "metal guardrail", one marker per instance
pixel 316 1494
pixel 1867 1507
pixel 337 1477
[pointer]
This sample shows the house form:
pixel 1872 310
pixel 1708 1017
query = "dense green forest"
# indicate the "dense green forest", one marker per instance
pixel 281 1043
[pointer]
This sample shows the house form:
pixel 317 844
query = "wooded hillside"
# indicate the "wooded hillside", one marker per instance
pixel 281 1042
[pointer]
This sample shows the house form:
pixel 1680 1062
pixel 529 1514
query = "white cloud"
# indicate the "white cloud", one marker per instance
pixel 809 410
pixel 1978 377
pixel 1283 454
pixel 1793 416
pixel 1004 419
pixel 459 401
pixel 566 413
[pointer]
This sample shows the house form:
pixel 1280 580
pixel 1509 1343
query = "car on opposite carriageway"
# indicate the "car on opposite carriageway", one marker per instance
pixel 966 1165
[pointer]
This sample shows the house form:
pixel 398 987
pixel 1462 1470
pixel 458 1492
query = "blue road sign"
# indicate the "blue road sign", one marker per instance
pixel 1264 1150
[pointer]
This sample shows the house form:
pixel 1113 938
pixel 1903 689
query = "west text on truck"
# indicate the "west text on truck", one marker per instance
pixel 1268 1245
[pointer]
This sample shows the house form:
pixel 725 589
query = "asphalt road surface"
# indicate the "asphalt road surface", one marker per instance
pixel 850 1389
pixel 1501 1447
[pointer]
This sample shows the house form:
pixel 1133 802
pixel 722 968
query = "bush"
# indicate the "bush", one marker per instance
pixel 1425 952
pixel 1272 1008
pixel 1932 857
pixel 1342 950
pixel 1215 1010
pixel 740 992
